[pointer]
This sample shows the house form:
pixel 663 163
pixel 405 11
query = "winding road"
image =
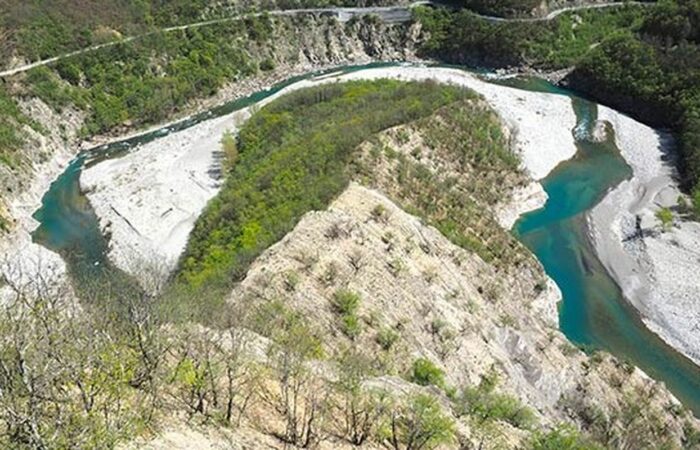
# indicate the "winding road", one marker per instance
pixel 389 14
pixel 558 12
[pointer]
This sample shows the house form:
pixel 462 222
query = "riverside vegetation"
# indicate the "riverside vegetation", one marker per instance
pixel 164 75
pixel 122 362
pixel 645 61
pixel 291 161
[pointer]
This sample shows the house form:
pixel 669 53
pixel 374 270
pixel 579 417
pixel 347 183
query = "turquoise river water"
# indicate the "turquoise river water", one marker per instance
pixel 593 313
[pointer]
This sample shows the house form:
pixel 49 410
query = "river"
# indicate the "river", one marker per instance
pixel 593 313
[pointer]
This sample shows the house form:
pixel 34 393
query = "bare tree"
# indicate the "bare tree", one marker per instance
pixel 300 397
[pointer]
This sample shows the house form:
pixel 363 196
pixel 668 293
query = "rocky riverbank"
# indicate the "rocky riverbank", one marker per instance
pixel 655 267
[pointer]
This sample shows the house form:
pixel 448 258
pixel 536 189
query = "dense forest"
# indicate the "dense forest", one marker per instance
pixel 645 61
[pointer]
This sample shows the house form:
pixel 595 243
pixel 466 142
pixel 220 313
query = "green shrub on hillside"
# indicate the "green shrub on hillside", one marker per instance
pixel 425 373
pixel 483 403
pixel 562 437
pixel 346 303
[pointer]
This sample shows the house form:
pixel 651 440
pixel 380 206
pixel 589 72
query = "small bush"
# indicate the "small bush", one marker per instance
pixel 387 337
pixel 379 213
pixel 267 65
pixel 485 404
pixel 291 281
pixel 665 216
pixel 425 373
pixel 350 325
pixel 563 437
pixel 346 302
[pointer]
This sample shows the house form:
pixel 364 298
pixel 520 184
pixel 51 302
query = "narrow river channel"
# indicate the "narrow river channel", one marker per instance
pixel 593 313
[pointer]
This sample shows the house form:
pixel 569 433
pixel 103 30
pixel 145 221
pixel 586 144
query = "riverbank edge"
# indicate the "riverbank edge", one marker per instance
pixel 611 227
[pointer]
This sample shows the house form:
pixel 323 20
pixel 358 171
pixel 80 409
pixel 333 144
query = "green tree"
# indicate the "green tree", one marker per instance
pixel 417 423
pixel 484 404
pixel 229 148
pixel 665 216
pixel 361 409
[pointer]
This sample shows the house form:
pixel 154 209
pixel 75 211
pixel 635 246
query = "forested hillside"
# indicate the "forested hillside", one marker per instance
pixel 37 29
pixel 502 8
pixel 645 61
pixel 291 161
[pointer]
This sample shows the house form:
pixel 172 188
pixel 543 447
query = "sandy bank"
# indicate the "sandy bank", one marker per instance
pixel 657 272
pixel 149 199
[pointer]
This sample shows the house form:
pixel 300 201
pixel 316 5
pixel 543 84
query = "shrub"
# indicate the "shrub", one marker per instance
pixel 562 437
pixel 486 405
pixel 350 325
pixel 230 151
pixel 665 216
pixel 291 281
pixel 346 302
pixel 387 337
pixel 267 65
pixel 379 213
pixel 425 373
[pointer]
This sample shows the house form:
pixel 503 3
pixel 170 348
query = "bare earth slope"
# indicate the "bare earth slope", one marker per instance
pixel 440 283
